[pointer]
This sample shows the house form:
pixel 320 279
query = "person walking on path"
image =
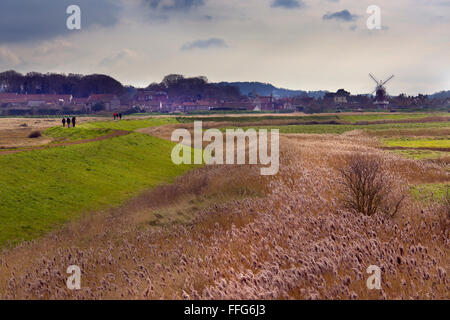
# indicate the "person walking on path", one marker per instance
pixel 68 122
pixel 74 120
pixel 64 122
pixel 120 116
pixel 114 116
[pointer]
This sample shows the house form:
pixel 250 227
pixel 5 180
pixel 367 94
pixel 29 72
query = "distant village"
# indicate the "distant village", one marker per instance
pixel 176 99
pixel 159 102
pixel 143 101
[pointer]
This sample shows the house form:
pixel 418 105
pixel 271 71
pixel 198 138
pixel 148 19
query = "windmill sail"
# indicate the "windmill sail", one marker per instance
pixel 374 79
pixel 381 98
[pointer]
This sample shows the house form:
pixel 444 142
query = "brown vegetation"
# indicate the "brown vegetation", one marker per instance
pixel 225 232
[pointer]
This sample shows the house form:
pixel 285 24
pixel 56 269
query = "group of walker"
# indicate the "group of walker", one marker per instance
pixel 69 120
pixel 73 120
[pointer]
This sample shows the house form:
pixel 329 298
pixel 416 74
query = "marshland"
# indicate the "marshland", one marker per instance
pixel 140 227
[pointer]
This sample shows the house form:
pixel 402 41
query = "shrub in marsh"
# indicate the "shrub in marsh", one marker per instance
pixel 367 187
pixel 35 134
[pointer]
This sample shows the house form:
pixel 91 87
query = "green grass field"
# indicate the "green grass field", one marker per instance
pixel 42 189
pixel 431 192
pixel 338 129
pixel 258 118
pixel 74 134
pixel 342 118
pixel 396 116
pixel 418 143
pixel 421 154
pixel 129 125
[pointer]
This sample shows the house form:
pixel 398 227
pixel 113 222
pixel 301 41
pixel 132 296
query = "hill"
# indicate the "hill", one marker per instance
pixel 266 89
pixel 181 88
pixel 441 95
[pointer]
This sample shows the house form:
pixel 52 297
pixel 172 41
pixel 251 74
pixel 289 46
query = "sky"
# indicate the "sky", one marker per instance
pixel 295 44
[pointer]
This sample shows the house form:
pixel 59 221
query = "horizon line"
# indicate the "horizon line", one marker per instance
pixel 137 85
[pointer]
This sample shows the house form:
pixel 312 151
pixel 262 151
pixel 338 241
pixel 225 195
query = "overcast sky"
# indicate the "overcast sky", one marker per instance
pixel 295 44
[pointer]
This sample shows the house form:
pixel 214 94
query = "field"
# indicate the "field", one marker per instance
pixel 352 118
pixel 431 192
pixel 439 143
pixel 338 129
pixel 422 154
pixel 142 228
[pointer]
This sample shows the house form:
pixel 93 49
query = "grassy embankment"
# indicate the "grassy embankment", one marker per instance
pixel 92 130
pixel 42 189
pixel 129 125
pixel 60 134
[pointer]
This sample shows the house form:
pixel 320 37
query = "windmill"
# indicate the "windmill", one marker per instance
pixel 380 90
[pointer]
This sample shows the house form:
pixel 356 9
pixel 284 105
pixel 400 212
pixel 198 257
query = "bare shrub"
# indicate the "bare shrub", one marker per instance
pixel 368 188
pixel 35 134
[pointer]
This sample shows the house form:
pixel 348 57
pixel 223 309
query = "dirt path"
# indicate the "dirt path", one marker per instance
pixel 116 133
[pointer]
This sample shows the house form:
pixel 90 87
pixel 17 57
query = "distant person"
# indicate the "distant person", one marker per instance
pixel 68 122
pixel 64 122
pixel 74 120
pixel 120 116
pixel 114 116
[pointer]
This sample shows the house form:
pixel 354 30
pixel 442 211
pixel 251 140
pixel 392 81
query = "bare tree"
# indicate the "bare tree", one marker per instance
pixel 367 187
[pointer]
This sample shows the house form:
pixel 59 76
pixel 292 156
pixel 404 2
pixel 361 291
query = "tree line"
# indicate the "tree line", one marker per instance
pixel 178 87
pixel 77 85
pixel 181 88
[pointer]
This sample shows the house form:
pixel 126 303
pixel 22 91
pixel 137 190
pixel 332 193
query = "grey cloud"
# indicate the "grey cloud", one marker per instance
pixel 174 5
pixel 444 3
pixel 205 44
pixel 23 20
pixel 343 15
pixel 287 4
pixel 122 55
pixel 7 57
